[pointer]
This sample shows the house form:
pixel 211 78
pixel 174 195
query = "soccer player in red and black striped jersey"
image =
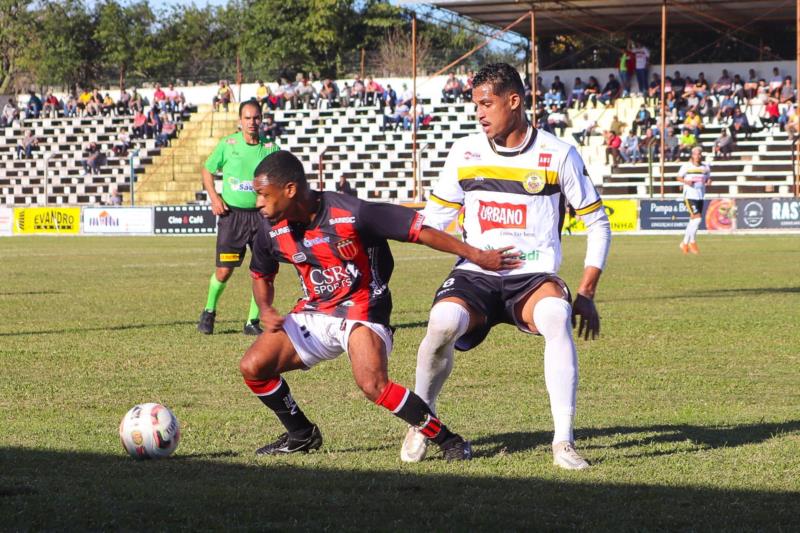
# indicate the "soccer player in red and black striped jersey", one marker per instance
pixel 338 244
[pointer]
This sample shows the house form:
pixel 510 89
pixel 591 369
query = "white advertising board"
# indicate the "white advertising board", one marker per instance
pixel 98 220
pixel 6 220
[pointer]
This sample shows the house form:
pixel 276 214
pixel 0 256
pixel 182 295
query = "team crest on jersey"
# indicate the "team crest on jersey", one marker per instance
pixel 231 141
pixel 347 249
pixel 533 183
pixel 544 160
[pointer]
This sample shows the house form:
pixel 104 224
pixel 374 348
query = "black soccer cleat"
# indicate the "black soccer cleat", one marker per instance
pixel 206 323
pixel 287 444
pixel 252 328
pixel 456 449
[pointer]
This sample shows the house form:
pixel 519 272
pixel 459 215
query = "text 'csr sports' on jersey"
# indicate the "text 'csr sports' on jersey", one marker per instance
pixel 342 257
pixel 514 199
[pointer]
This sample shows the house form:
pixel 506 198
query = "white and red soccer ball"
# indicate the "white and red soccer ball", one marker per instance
pixel 149 431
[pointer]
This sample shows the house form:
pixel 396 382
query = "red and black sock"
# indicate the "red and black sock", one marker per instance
pixel 409 407
pixel 275 394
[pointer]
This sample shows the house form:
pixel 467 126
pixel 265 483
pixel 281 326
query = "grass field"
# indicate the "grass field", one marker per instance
pixel 689 404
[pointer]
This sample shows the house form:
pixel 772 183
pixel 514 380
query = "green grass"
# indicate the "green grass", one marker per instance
pixel 689 405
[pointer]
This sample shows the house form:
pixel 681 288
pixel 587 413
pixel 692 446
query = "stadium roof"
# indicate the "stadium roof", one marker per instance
pixel 564 16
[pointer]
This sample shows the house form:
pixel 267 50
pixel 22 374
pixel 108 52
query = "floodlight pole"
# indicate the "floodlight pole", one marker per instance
pixel 663 94
pixel 413 111
pixel 533 64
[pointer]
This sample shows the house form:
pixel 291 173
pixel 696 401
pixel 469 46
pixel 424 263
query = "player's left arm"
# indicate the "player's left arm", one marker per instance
pixel 404 224
pixel 582 195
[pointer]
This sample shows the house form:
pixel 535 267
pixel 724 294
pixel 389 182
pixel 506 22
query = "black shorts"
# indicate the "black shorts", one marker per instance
pixel 492 296
pixel 235 231
pixel 695 207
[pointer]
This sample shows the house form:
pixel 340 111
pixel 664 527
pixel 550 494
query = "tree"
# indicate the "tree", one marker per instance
pixel 15 20
pixel 124 36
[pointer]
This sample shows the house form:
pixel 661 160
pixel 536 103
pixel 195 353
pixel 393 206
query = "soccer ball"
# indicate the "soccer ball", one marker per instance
pixel 149 431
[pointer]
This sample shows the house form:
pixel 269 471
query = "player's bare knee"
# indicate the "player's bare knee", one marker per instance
pixel 552 315
pixel 251 367
pixel 372 385
pixel 447 322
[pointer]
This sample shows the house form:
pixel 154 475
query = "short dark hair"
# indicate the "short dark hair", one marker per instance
pixel 503 77
pixel 282 167
pixel 253 102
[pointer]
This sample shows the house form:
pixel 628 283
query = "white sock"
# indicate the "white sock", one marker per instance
pixel 552 317
pixel 691 229
pixel 448 321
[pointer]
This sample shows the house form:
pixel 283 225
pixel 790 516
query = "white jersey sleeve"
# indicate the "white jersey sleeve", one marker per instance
pixel 582 196
pixel 682 171
pixel 447 197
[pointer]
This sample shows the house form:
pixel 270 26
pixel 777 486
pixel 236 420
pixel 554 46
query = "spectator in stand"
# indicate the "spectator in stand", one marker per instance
pixel 626 70
pixel 108 106
pixel 559 86
pixel 577 94
pixel 616 126
pixel 83 101
pixel 557 120
pixel 262 95
pixel 174 104
pixel 343 187
pixel 122 144
pixel 406 97
pixel 751 84
pixel 359 92
pixel 611 91
pixel 642 120
pixel 373 92
pixel 642 63
pixel 671 145
pixel 452 89
pixel 160 99
pixel 389 98
pixel 686 142
pixel 553 98
pixel 678 83
pixel 139 124
pixel 124 103
pixel 775 83
pixel 762 92
pixel 346 95
pixel 289 93
pixel 583 129
pixel 649 145
pixel 154 123
pixel 467 94
pixel 34 107
pixel 95 105
pixel 540 90
pixel 26 145
pixel 737 90
pixel 93 159
pixel 770 114
pixel 328 94
pixel 50 106
pixel 224 96
pixel 741 124
pixel 705 109
pixel 629 148
pixel 270 129
pixel 113 197
pixel 693 123
pixel 701 86
pixel 592 91
pixel 613 142
pixel 793 123
pixel 306 94
pixel 167 132
pixel 136 103
pixel 71 106
pixel 395 118
pixel 654 91
pixel 723 146
pixel 726 107
pixel 786 95
pixel 723 86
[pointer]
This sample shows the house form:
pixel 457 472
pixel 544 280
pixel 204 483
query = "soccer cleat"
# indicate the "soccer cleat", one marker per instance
pixel 206 323
pixel 253 328
pixel 565 456
pixel 287 444
pixel 456 449
pixel 684 248
pixel 415 446
pixel 693 248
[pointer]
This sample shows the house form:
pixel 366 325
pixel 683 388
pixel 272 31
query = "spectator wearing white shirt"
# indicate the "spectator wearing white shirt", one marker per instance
pixel 642 58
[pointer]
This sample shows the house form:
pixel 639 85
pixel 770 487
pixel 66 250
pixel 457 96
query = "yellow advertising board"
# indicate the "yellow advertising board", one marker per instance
pixel 32 220
pixel 622 215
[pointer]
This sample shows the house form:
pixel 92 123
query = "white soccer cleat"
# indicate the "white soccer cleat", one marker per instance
pixel 415 446
pixel 565 456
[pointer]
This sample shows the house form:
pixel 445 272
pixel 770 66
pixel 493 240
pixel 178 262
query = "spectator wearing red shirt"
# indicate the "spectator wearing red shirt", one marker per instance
pixel 160 98
pixel 613 142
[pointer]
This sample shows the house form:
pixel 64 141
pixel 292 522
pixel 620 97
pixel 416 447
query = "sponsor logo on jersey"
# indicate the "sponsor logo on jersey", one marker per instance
pixel 494 215
pixel 231 141
pixel 308 243
pixel 299 257
pixel 342 220
pixel 329 280
pixel 227 258
pixel 276 232
pixel 544 160
pixel 472 156
pixel 347 249
pixel 241 186
pixel 533 183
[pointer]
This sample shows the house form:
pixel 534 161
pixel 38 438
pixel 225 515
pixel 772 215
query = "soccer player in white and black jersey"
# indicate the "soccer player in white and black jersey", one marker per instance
pixel 695 176
pixel 512 180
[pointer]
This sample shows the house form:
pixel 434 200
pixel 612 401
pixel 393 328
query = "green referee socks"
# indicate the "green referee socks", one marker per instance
pixel 215 289
pixel 253 316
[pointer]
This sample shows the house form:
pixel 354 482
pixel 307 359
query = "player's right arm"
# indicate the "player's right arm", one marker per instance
pixel 214 163
pixel 263 268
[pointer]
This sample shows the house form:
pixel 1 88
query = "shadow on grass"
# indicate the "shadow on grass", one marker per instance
pixel 702 436
pixel 80 491
pixel 124 327
pixel 29 293
pixel 713 293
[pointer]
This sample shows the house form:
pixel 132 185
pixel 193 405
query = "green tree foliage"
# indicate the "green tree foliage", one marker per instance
pixel 124 34
pixel 15 20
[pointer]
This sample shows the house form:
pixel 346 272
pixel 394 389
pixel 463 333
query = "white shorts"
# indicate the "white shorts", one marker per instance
pixel 319 337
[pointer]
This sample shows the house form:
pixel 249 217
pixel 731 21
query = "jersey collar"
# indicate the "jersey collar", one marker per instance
pixel 530 138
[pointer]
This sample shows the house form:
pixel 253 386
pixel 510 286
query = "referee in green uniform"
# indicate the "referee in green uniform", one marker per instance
pixel 237 157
